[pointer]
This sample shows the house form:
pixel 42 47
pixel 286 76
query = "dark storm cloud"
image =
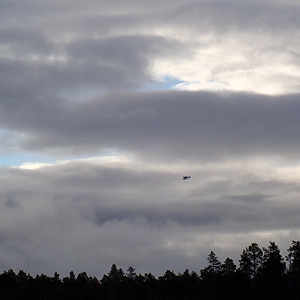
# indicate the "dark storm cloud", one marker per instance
pixel 32 64
pixel 163 124
pixel 127 57
pixel 131 49
pixel 72 77
pixel 221 15
pixel 67 216
pixel 225 16
pixel 22 42
pixel 156 197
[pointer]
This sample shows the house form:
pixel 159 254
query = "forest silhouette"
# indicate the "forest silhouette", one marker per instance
pixel 262 273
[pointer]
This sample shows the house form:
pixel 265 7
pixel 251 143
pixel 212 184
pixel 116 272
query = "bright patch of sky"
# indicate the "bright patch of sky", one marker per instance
pixel 112 158
pixel 162 83
pixel 248 63
pixel 31 161
pixel 17 159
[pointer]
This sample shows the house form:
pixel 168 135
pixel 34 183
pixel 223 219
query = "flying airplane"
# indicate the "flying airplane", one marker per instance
pixel 186 177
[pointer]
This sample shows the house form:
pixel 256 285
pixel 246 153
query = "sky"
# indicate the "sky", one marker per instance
pixel 105 105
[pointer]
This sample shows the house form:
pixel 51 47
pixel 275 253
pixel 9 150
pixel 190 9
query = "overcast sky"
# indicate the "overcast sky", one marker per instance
pixel 105 105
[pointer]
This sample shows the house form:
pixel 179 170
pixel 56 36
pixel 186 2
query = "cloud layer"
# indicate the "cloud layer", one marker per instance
pixel 125 98
pixel 70 215
pixel 162 125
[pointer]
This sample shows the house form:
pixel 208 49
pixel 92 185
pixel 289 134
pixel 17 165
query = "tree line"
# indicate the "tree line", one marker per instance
pixel 262 273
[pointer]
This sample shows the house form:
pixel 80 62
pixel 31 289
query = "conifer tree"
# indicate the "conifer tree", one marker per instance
pixel 251 260
pixel 293 259
pixel 115 274
pixel 228 266
pixel 272 263
pixel 131 274
pixel 214 265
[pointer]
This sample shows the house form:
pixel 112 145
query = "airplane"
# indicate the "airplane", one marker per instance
pixel 186 177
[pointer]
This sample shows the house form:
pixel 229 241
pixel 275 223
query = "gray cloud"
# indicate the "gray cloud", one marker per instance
pixel 21 42
pixel 163 124
pixel 67 216
pixel 129 215
pixel 36 66
pixel 242 16
pixel 209 14
pixel 77 80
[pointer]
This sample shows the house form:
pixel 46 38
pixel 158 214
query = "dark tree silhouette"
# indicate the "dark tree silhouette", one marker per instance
pixel 214 266
pixel 272 263
pixel 131 273
pixel 262 275
pixel 251 260
pixel 228 267
pixel 270 278
pixel 293 259
pixel 293 269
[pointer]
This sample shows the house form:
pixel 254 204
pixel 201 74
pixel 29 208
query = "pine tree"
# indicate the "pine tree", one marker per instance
pixel 293 272
pixel 131 273
pixel 293 259
pixel 214 266
pixel 251 260
pixel 214 263
pixel 272 263
pixel 115 274
pixel 228 266
pixel 270 279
